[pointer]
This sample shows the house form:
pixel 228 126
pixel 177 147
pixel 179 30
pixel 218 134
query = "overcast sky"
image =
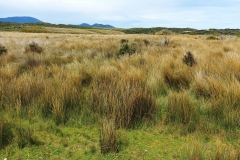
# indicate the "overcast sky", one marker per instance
pixel 199 14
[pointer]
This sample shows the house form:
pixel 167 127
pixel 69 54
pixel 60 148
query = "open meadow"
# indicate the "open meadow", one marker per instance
pixel 110 95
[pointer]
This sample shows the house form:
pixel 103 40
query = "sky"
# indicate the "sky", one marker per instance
pixel 198 14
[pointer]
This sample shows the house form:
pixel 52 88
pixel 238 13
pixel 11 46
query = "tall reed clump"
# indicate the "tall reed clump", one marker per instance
pixel 108 136
pixel 181 110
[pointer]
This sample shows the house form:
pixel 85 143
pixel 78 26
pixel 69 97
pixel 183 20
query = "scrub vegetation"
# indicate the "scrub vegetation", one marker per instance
pixel 119 96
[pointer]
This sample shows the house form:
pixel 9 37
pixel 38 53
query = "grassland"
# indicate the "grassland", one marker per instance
pixel 110 95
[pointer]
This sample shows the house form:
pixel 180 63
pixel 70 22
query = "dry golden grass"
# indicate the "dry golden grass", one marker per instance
pixel 81 60
pixel 80 77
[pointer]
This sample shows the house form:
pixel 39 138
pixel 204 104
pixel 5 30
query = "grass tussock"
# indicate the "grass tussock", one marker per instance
pixel 181 110
pixel 177 75
pixel 134 101
pixel 142 108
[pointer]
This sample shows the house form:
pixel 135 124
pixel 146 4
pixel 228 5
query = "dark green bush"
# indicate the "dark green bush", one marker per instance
pixel 123 41
pixel 127 49
pixel 2 50
pixel 188 59
pixel 212 38
pixel 146 42
pixel 33 47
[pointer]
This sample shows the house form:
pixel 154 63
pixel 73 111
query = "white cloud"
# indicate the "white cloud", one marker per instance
pixel 130 13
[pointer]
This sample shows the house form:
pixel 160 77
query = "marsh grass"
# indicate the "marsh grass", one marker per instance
pixel 78 81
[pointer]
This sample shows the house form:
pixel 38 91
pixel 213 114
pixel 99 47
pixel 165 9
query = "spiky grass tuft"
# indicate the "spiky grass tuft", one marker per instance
pixel 108 136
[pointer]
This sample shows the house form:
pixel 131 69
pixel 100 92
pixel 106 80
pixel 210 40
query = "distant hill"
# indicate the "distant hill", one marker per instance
pixel 20 20
pixel 96 25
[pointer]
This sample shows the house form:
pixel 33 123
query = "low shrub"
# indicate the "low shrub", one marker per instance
pixel 212 38
pixel 125 49
pixel 2 49
pixel 188 59
pixel 146 42
pixel 33 47
pixel 128 49
pixel 238 34
pixel 86 79
pixel 123 41
pixel 34 29
pixel 164 32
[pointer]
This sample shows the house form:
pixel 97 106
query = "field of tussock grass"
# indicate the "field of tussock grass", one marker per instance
pixel 95 96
